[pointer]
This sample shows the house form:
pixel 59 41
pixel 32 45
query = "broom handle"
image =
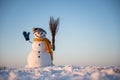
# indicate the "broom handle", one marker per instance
pixel 53 43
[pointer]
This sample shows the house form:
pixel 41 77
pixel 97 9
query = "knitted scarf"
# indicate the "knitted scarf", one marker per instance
pixel 47 45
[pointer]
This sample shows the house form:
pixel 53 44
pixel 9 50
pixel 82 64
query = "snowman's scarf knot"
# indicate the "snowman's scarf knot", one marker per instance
pixel 47 45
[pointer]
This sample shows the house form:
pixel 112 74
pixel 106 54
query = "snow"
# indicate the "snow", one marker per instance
pixel 62 73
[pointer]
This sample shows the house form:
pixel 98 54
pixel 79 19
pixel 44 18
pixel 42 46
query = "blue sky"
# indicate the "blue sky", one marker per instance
pixel 89 32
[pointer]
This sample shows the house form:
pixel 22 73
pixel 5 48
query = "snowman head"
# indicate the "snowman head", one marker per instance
pixel 39 32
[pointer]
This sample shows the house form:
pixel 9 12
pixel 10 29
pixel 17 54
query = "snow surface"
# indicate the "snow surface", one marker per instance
pixel 62 73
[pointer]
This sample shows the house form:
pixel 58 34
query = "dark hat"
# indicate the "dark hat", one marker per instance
pixel 38 29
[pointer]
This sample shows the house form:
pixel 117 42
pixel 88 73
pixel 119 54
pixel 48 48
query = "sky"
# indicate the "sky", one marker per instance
pixel 89 30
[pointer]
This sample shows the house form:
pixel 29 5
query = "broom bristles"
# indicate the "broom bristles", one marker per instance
pixel 54 29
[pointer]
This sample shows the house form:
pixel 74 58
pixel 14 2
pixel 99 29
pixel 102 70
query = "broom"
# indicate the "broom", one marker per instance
pixel 53 24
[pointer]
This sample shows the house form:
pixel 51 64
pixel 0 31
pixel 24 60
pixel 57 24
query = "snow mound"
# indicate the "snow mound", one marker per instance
pixel 62 73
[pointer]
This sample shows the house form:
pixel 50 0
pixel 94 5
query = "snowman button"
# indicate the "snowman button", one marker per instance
pixel 38 51
pixel 38 56
pixel 39 44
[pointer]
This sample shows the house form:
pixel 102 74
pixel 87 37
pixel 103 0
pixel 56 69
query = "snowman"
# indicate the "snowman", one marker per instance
pixel 41 54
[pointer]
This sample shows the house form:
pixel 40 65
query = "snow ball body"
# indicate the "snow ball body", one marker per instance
pixel 38 57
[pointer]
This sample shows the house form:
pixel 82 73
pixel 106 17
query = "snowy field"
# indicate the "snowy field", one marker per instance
pixel 62 73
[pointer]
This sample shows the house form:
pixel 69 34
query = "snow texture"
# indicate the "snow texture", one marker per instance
pixel 62 73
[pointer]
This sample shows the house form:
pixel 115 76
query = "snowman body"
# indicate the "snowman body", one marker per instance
pixel 39 57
